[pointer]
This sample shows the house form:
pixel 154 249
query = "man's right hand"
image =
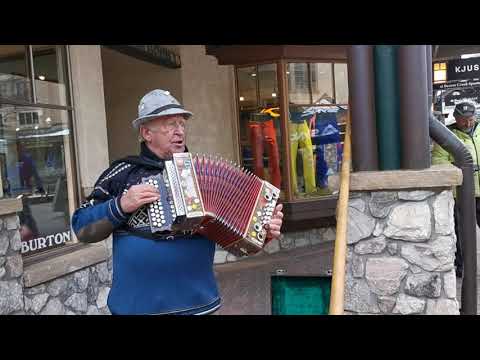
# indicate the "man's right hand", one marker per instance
pixel 137 196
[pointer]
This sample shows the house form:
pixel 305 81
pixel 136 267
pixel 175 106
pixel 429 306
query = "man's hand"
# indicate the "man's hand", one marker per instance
pixel 273 228
pixel 137 196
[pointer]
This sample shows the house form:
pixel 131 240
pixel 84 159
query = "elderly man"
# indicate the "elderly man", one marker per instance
pixel 467 130
pixel 152 274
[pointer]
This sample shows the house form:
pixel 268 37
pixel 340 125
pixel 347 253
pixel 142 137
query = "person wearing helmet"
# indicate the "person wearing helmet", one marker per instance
pixel 467 131
pixel 152 274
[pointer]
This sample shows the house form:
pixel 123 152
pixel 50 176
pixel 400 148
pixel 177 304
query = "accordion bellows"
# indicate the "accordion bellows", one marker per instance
pixel 213 197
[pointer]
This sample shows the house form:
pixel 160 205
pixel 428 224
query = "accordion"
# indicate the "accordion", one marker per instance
pixel 215 198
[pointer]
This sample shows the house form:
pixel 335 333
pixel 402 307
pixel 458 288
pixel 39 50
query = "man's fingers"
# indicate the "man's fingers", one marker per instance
pixel 148 200
pixel 276 221
pixel 143 187
pixel 147 194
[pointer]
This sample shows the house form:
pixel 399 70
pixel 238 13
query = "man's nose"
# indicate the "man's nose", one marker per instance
pixel 179 130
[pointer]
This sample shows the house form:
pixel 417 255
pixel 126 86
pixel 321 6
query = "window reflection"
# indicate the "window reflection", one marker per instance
pixel 298 88
pixel 49 62
pixel 322 83
pixel 267 85
pixel 14 81
pixel 341 84
pixel 34 150
pixel 247 87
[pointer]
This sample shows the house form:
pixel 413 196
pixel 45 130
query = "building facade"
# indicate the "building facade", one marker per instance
pixel 65 115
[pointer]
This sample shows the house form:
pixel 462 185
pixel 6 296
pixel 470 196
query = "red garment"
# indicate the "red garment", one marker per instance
pixel 264 133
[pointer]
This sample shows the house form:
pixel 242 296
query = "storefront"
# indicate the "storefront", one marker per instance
pixel 66 112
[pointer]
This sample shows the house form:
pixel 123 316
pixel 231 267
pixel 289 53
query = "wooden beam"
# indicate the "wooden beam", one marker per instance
pixel 437 176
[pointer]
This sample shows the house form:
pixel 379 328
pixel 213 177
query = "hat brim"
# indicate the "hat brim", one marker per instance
pixel 142 120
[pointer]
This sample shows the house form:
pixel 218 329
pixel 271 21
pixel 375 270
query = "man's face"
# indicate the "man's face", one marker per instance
pixel 165 135
pixel 465 122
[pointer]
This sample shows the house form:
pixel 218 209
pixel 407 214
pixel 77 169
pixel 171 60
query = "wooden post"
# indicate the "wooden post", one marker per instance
pixel 339 257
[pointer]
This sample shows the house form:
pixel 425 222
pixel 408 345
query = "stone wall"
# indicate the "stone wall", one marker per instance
pixel 79 293
pixel 82 292
pixel 401 251
pixel 11 266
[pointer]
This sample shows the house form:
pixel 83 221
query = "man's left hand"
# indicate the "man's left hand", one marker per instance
pixel 273 228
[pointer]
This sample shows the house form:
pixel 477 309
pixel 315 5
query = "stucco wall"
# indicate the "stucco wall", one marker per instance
pixel 208 90
pixel 126 80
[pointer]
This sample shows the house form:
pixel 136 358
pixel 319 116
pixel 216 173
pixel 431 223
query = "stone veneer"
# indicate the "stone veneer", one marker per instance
pixel 401 251
pixel 81 292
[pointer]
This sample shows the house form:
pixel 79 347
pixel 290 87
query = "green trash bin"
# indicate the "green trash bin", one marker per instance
pixel 300 295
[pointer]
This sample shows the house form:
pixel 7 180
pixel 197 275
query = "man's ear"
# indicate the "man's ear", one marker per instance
pixel 144 133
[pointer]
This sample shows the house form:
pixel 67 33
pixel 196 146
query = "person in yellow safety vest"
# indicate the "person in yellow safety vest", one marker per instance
pixel 468 132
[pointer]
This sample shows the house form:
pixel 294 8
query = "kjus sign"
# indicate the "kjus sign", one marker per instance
pixel 463 69
pixel 456 73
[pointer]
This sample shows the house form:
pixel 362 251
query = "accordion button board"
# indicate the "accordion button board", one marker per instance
pixel 216 198
pixel 160 214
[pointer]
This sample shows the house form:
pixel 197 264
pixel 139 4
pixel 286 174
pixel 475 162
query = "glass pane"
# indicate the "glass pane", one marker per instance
pixel 247 87
pixel 316 143
pixel 14 81
pixel 36 164
pixel 322 83
pixel 298 89
pixel 49 63
pixel 267 84
pixel 341 84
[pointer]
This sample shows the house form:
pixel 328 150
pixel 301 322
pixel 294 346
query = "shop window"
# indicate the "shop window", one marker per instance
pixel 14 79
pixel 36 149
pixel 260 122
pixel 317 98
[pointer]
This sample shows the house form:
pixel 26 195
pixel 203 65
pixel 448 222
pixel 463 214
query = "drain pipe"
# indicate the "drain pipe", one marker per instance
pixel 467 225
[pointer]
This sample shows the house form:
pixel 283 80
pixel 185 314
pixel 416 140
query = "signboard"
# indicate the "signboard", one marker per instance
pixel 463 69
pixel 155 54
pixel 456 72
pixel 45 242
pixel 300 295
